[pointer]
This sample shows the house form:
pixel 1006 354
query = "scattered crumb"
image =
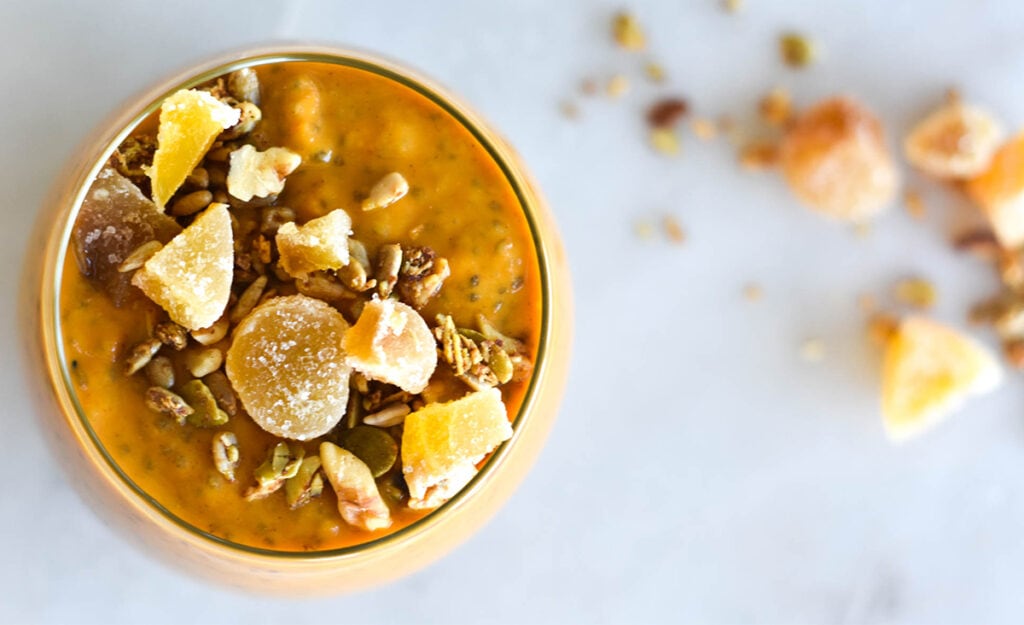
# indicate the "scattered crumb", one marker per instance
pixel 758 156
pixel 643 229
pixel 916 293
pixel 752 292
pixel 618 86
pixel 665 141
pixel 881 328
pixel 980 243
pixel 627 32
pixel 730 129
pixel 862 229
pixel 776 107
pixel 867 303
pixel 673 230
pixel 953 96
pixel 797 50
pixel 1013 351
pixel 704 129
pixel 812 350
pixel 666 112
pixel 569 109
pixel 588 86
pixel 732 6
pixel 654 72
pixel 915 204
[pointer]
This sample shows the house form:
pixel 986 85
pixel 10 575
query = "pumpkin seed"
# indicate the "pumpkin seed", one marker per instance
pixel 306 484
pixel 373 446
pixel 500 363
pixel 282 463
pixel 205 413
pixel 220 386
pixel 141 354
pixel 160 372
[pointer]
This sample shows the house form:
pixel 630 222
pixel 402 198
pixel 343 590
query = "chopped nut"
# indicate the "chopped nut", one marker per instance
pixel 141 354
pixel 203 362
pixel 226 455
pixel 133 156
pixel 627 32
pixel 359 501
pixel 665 141
pixel 139 256
pixel 249 116
pixel 797 50
pixel 248 299
pixel 956 141
pixel 915 292
pixel 914 203
pixel 704 129
pixel 458 350
pixel 980 243
pixel 164 401
pixel 171 334
pixel 191 203
pixel 667 112
pixel 776 108
pixel 421 276
pixel 674 230
pixel 654 71
pixel 618 86
pixel 386 192
pixel 389 264
pixel 213 334
pixel 758 156
pixel 388 416
pixel 259 174
pixel 244 85
pixel 160 372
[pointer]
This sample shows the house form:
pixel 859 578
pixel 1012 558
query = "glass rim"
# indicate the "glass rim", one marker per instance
pixel 496 149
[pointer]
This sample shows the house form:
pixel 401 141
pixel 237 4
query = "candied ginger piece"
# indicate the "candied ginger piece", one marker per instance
pixel 442 444
pixel 190 277
pixel 835 160
pixel 190 121
pixel 955 141
pixel 115 219
pixel 359 501
pixel 929 370
pixel 287 366
pixel 391 342
pixel 999 192
pixel 318 244
pixel 259 174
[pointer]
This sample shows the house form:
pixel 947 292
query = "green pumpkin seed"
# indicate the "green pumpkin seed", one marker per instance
pixel 306 484
pixel 373 446
pixel 205 413
pixel 500 363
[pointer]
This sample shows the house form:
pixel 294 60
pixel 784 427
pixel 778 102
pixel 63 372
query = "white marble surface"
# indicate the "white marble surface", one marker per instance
pixel 700 471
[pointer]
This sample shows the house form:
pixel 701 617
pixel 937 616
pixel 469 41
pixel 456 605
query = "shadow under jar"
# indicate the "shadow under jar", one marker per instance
pixel 480 264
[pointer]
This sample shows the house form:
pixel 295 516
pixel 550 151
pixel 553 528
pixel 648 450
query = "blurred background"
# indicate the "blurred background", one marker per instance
pixel 719 456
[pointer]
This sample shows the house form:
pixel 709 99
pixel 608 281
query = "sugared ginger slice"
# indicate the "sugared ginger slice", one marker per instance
pixel 190 120
pixel 999 192
pixel 359 501
pixel 391 342
pixel 318 244
pixel 955 141
pixel 288 368
pixel 115 219
pixel 442 444
pixel 190 277
pixel 835 160
pixel 929 370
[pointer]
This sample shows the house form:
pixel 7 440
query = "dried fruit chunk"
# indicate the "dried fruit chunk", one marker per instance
pixel 391 342
pixel 929 370
pixel 114 221
pixel 287 366
pixel 190 277
pixel 442 443
pixel 835 160
pixel 956 141
pixel 359 501
pixel 190 120
pixel 999 192
pixel 320 243
pixel 259 174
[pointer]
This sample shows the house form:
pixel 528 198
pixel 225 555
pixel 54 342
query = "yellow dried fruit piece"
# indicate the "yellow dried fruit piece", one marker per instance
pixel 287 366
pixel 190 277
pixel 956 141
pixel 442 444
pixel 835 160
pixel 999 192
pixel 929 370
pixel 190 120
pixel 391 342
pixel 627 32
pixel 359 501
pixel 318 244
